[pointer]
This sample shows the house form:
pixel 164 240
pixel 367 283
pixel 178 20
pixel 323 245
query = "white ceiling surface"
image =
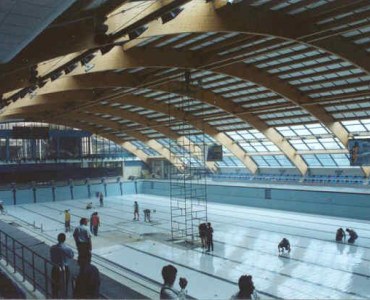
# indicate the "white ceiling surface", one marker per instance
pixel 23 20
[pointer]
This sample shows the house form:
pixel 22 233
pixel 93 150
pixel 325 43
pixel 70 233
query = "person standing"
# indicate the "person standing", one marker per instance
pixel 169 273
pixel 246 288
pixel 136 211
pixel 95 223
pixel 87 284
pixel 203 234
pixel 67 220
pixel 340 235
pixel 209 234
pixel 101 199
pixel 352 235
pixel 59 255
pixel 82 238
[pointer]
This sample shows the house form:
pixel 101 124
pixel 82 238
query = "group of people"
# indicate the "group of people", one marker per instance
pixel 100 196
pixel 87 282
pixel 341 235
pixel 169 273
pixel 206 236
pixel 146 212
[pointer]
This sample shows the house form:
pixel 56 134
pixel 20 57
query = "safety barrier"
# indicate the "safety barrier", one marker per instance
pixel 30 265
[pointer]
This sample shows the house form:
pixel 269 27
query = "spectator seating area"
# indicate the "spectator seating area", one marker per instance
pixel 296 179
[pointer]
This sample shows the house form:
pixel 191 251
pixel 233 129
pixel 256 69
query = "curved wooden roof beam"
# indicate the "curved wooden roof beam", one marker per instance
pixel 222 138
pixel 152 57
pixel 197 17
pixel 39 105
pixel 152 143
pixel 137 57
pixel 134 117
pixel 74 124
pixel 147 103
pixel 42 102
pixel 201 17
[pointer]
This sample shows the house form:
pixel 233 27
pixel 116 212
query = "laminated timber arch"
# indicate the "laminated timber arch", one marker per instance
pixel 201 17
pixel 117 59
pixel 194 121
pixel 198 17
pixel 152 143
pixel 43 101
pixel 153 57
pixel 204 96
pixel 124 144
pixel 134 117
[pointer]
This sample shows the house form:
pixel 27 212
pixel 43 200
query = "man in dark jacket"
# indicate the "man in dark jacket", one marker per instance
pixel 87 283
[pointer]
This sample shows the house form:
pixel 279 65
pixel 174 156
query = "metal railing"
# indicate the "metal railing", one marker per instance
pixel 32 266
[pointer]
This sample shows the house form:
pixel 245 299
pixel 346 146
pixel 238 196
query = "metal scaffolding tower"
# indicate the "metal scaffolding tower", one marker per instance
pixel 188 186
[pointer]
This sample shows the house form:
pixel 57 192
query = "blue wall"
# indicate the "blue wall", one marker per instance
pixel 300 199
pixel 342 204
pixel 45 193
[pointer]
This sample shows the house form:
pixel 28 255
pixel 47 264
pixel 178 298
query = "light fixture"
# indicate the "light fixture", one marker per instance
pixel 137 32
pixel 41 83
pixel 87 58
pixel 55 75
pixel 88 67
pixel 171 15
pixel 106 49
pixel 85 62
pixel 33 74
pixel 70 68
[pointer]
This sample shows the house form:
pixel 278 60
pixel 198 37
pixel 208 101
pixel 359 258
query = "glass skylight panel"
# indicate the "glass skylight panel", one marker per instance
pixel 165 71
pixel 283 4
pixel 299 145
pixel 259 160
pixel 140 91
pixel 311 160
pixel 272 161
pixel 249 44
pixel 173 146
pixel 313 5
pixel 232 127
pixel 216 40
pixel 326 160
pixel 285 121
pixel 341 160
pixel 227 161
pixel 149 40
pixel 286 131
pixel 153 94
pixel 247 147
pixel 199 37
pixel 260 2
pixel 174 39
pixel 145 148
pixel 221 83
pixel 359 31
pixel 233 87
pixel 134 70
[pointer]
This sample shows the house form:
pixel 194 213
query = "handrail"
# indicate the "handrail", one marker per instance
pixel 25 261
